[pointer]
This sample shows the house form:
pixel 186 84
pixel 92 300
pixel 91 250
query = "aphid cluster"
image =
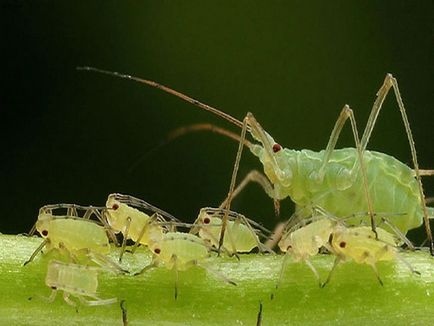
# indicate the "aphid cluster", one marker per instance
pixel 352 203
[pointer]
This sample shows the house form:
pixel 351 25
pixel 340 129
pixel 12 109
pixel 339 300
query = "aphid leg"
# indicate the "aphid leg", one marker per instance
pixel 406 263
pixel 52 295
pixel 346 114
pixel 68 300
pixel 101 217
pixel 335 264
pixel 104 261
pixel 391 82
pixel 215 272
pixel 262 180
pixel 426 173
pixel 275 236
pixel 313 269
pixel 174 260
pixel 398 232
pixel 97 302
pixel 146 268
pixel 143 230
pixel 125 238
pixel 232 184
pixel 35 253
pixel 282 272
pixel 124 313
pixel 259 317
pixel 374 267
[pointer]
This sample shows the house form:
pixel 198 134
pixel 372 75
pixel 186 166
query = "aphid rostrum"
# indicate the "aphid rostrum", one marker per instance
pixel 341 181
pixel 77 280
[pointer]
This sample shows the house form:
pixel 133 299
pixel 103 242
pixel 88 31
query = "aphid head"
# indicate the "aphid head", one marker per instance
pixel 113 213
pixel 271 154
pixel 206 218
pixel 43 224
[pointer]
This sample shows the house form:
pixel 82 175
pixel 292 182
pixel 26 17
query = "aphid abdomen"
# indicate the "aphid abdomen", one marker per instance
pixel 76 234
pixel 392 187
pixel 72 278
pixel 185 247
pixel 243 238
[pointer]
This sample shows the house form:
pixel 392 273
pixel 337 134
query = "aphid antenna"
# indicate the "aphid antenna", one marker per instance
pixel 166 89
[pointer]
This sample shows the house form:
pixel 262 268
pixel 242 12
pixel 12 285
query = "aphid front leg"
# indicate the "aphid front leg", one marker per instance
pixel 335 264
pixel 125 237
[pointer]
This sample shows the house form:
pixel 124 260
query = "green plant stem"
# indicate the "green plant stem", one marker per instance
pixel 354 296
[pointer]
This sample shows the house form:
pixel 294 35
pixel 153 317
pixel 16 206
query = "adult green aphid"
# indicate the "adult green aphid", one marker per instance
pixel 123 216
pixel 340 181
pixel 77 280
pixel 75 234
pixel 240 237
pixel 180 251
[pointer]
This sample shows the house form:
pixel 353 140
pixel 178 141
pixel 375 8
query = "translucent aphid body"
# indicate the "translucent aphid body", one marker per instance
pixel 73 233
pixel 131 222
pixel 363 246
pixel 240 236
pixel 76 280
pixel 360 245
pixel 306 241
pixel 339 190
pixel 180 251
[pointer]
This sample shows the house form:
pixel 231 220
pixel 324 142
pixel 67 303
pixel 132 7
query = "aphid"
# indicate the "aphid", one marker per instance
pixel 180 251
pixel 77 280
pixel 363 246
pixel 240 236
pixel 123 217
pixel 75 235
pixel 305 242
pixel 340 181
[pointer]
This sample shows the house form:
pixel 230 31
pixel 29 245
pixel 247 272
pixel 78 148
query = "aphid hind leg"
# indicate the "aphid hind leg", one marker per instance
pixel 335 264
pixel 346 114
pixel 214 272
pixel 391 82
pixel 143 230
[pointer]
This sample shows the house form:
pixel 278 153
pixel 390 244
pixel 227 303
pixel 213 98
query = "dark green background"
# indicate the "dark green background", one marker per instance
pixel 70 136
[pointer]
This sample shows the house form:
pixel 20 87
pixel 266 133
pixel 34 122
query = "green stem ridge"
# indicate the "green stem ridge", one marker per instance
pixel 354 296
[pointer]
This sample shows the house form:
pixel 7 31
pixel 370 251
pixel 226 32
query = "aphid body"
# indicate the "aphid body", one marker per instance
pixel 72 233
pixel 131 222
pixel 77 280
pixel 306 241
pixel 239 236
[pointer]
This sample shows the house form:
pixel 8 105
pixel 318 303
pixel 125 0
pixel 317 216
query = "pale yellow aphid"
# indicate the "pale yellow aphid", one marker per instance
pixel 123 217
pixel 180 251
pixel 77 280
pixel 74 235
pixel 361 245
pixel 240 236
pixel 305 242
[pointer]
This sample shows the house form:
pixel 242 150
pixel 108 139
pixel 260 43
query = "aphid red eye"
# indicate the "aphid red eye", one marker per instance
pixel 206 220
pixel 157 250
pixel 276 147
pixel 44 233
pixel 115 206
pixel 342 244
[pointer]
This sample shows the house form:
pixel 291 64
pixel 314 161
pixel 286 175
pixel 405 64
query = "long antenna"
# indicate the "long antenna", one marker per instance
pixel 166 89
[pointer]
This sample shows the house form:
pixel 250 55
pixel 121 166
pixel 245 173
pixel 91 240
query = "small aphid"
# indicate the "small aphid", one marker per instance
pixel 77 280
pixel 363 246
pixel 123 217
pixel 240 236
pixel 180 251
pixel 74 236
pixel 305 242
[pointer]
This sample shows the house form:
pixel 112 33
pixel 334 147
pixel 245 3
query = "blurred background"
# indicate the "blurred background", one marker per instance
pixel 71 136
